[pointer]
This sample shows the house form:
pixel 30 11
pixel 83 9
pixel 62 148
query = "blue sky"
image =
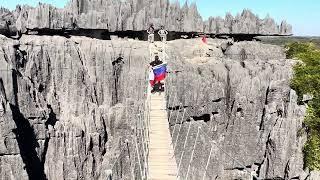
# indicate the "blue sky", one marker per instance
pixel 304 15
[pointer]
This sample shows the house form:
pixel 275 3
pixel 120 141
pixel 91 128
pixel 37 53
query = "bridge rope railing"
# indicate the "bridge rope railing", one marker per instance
pixel 212 145
pixel 177 134
pixel 135 149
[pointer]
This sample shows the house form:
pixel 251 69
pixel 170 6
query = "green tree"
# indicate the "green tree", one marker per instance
pixel 306 80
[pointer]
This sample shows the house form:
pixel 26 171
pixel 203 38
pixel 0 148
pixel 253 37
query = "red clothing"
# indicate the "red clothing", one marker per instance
pixel 204 39
pixel 152 83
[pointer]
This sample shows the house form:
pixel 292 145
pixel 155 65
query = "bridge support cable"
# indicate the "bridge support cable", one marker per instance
pixel 213 144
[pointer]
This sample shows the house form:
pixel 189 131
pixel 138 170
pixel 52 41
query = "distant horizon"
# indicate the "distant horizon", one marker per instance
pixel 285 10
pixel 293 11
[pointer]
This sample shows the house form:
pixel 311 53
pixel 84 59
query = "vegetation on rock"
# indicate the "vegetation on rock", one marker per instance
pixel 306 81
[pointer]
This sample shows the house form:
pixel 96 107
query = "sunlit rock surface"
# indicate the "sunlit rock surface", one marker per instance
pixel 135 15
pixel 244 106
pixel 67 106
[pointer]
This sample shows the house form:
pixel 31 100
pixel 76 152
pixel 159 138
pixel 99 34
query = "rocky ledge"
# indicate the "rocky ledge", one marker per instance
pixel 134 15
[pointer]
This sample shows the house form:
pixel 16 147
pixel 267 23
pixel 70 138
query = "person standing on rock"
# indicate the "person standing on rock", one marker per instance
pixel 204 39
pixel 150 31
pixel 163 34
pixel 156 61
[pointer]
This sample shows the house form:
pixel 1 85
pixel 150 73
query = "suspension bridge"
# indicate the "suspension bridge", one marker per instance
pixel 154 147
pixel 162 163
pixel 150 152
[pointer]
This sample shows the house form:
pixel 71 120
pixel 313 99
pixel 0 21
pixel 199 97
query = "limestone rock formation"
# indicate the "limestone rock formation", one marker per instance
pixel 246 23
pixel 71 108
pixel 136 15
pixel 245 108
pixel 285 28
pixel 68 105
pixel 7 22
pixel 254 50
pixel 65 105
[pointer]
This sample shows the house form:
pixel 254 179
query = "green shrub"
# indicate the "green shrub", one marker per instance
pixel 306 80
pixel 296 48
pixel 312 151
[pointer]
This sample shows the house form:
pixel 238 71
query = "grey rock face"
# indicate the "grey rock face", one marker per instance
pixel 285 28
pixel 136 15
pixel 254 50
pixel 268 26
pixel 7 22
pixel 314 175
pixel 246 23
pixel 307 97
pixel 244 106
pixel 65 107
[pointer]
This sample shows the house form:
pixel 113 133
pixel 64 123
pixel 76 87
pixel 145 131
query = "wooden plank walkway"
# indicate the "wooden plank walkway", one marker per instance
pixel 162 163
